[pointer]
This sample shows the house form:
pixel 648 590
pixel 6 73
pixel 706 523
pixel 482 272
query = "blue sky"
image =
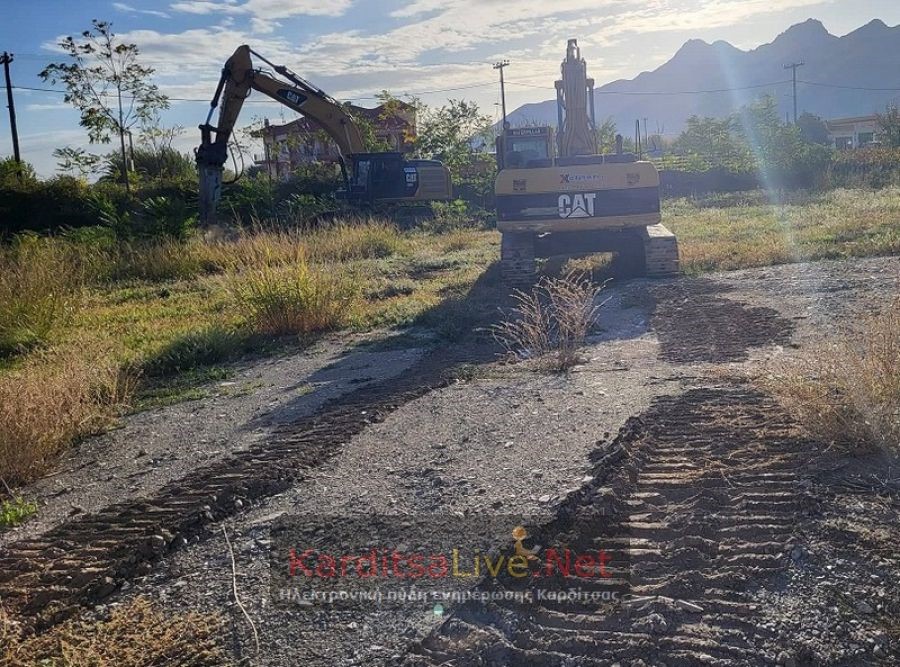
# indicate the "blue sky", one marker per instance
pixel 354 48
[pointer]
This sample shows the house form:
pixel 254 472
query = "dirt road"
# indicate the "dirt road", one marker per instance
pixel 749 544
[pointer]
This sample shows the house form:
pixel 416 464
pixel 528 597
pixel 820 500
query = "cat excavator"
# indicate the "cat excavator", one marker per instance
pixel 557 196
pixel 369 178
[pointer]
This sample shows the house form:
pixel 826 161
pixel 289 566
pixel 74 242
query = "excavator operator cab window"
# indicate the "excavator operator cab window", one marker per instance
pixel 523 151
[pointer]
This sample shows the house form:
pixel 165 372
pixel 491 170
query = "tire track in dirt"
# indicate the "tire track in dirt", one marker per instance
pixel 708 483
pixel 45 579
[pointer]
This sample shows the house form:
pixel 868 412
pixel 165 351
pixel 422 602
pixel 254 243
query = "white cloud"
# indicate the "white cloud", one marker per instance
pixel 128 9
pixel 264 9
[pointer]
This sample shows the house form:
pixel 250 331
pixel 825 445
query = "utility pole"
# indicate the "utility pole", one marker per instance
pixel 793 67
pixel 500 66
pixel 6 59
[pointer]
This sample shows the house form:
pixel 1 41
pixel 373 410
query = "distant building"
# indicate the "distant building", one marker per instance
pixel 302 141
pixel 854 132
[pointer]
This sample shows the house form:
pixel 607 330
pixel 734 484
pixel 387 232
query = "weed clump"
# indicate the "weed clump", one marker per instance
pixel 550 323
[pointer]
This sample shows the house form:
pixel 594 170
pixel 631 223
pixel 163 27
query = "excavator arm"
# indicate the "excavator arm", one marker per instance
pixel 239 78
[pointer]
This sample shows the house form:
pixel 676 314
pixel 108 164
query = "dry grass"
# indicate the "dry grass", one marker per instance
pixel 294 299
pixel 551 322
pixel 52 400
pixel 847 392
pixel 135 635
pixel 338 242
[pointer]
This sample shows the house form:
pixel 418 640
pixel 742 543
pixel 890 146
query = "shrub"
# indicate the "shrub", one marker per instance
pixel 135 635
pixel 51 401
pixel 848 392
pixel 15 511
pixel 294 299
pixel 551 322
pixel 193 350
pixel 40 283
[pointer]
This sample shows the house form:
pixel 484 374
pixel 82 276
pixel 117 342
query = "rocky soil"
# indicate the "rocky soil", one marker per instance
pixel 751 544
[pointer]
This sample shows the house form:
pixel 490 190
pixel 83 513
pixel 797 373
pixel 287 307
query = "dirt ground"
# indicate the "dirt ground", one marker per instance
pixel 747 543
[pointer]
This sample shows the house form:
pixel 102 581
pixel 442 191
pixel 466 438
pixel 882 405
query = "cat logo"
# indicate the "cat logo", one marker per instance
pixel 579 205
pixel 520 185
pixel 633 179
pixel 291 96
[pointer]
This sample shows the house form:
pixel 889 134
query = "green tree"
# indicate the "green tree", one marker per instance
pixel 448 133
pixel 889 127
pixel 76 161
pixel 812 128
pixel 606 135
pixel 107 85
pixel 781 154
pixel 713 143
pixel 9 173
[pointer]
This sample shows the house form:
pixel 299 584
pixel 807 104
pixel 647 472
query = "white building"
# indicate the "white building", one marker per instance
pixel 854 132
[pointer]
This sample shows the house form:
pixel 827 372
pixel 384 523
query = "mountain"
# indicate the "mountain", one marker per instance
pixel 867 58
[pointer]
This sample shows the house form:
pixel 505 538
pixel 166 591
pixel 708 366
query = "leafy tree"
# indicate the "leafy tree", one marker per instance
pixel 781 154
pixel 713 143
pixel 9 173
pixel 76 161
pixel 606 135
pixel 105 82
pixel 889 127
pixel 812 128
pixel 447 133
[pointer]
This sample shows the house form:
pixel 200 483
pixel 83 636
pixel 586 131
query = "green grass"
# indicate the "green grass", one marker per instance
pixel 180 312
pixel 744 230
pixel 14 512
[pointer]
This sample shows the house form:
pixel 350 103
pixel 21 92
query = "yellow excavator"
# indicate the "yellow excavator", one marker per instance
pixel 557 196
pixel 369 178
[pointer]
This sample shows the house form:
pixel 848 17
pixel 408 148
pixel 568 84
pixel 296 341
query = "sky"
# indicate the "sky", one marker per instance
pixel 436 49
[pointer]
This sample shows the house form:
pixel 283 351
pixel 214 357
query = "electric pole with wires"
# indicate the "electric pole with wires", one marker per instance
pixel 6 59
pixel 500 66
pixel 793 67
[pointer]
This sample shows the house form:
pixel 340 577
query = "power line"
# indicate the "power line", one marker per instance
pixel 834 85
pixel 793 67
pixel 356 97
pixel 665 92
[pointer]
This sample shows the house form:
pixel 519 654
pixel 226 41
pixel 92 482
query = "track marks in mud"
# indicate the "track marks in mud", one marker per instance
pixel 709 484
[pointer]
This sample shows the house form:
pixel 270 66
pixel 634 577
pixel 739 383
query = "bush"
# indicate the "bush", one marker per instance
pixel 40 288
pixel 551 322
pixel 192 350
pixel 294 299
pixel 848 392
pixel 53 400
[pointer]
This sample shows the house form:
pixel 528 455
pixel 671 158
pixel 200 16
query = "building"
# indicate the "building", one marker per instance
pixel 854 132
pixel 302 141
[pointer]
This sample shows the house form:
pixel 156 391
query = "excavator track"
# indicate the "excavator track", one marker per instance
pixel 709 482
pixel 44 580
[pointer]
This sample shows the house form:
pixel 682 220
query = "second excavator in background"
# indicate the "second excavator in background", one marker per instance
pixel 561 197
pixel 369 178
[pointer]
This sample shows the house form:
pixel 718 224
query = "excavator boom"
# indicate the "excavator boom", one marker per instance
pixel 240 77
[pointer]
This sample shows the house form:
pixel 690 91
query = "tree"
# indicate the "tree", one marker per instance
pixel 606 135
pixel 713 143
pixel 106 84
pixel 889 127
pixel 76 161
pixel 9 173
pixel 448 133
pixel 813 129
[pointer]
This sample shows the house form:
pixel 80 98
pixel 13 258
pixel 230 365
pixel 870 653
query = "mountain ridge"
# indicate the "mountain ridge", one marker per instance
pixel 832 82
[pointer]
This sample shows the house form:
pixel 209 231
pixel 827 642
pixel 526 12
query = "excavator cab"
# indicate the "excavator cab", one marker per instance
pixel 525 147
pixel 389 177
